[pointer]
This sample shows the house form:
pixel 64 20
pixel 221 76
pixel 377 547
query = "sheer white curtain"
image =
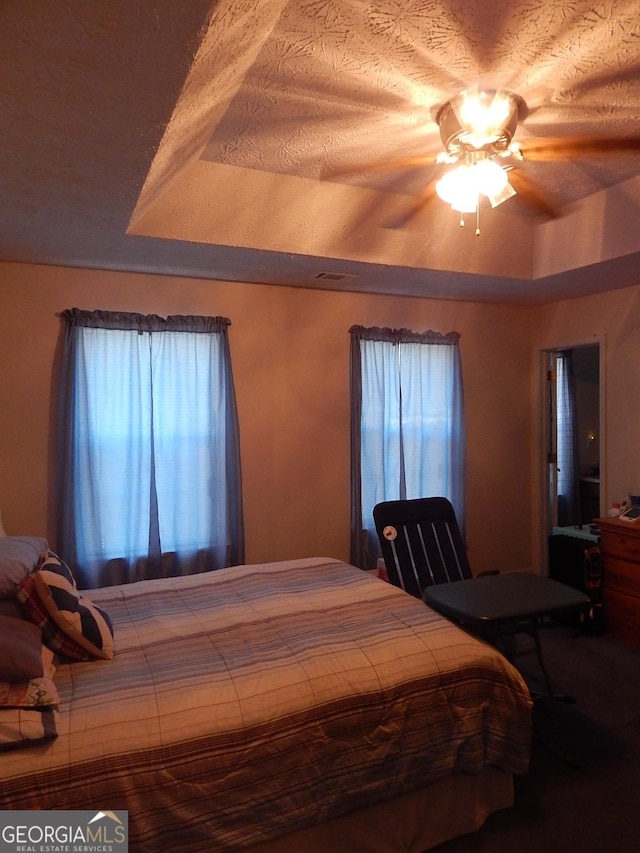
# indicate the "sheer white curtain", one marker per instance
pixel 149 475
pixel 407 425
pixel 568 468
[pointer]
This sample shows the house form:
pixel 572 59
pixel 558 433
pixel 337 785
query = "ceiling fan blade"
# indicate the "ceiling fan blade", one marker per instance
pixel 390 164
pixel 608 77
pixel 535 99
pixel 420 201
pixel 543 150
pixel 531 195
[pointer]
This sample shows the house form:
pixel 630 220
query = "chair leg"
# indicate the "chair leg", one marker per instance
pixel 563 697
pixel 509 649
pixel 507 642
pixel 551 747
pixel 536 638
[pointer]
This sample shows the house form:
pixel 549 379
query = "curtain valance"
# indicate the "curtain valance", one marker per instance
pixel 403 336
pixel 126 321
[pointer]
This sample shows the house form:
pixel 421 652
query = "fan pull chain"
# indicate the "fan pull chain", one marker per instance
pixel 477 220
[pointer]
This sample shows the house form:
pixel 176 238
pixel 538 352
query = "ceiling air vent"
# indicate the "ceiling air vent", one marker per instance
pixel 335 276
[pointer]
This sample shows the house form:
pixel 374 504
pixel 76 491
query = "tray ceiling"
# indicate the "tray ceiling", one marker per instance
pixel 196 139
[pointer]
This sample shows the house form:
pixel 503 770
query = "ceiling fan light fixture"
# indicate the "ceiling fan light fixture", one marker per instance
pixel 490 178
pixel 476 127
pixel 461 187
pixel 505 194
pixel 466 204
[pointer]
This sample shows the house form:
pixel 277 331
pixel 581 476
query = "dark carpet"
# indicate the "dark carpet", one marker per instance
pixel 594 808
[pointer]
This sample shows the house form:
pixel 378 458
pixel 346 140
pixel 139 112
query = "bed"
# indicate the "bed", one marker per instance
pixel 298 705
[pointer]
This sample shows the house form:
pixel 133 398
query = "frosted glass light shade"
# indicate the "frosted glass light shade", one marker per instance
pixel 460 187
pixel 490 178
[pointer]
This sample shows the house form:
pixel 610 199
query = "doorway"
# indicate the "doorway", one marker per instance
pixel 575 474
pixel 575 480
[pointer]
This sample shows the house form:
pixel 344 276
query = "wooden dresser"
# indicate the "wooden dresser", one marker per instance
pixel 620 553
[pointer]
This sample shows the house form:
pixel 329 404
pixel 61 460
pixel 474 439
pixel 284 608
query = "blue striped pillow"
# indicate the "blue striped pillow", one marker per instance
pixel 71 625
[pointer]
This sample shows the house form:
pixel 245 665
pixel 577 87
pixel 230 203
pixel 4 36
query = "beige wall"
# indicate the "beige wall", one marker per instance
pixel 290 350
pixel 613 320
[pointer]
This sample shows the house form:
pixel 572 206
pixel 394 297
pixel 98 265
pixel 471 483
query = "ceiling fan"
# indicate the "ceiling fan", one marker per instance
pixel 481 159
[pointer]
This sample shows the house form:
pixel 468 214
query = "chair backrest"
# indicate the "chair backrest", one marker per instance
pixel 421 543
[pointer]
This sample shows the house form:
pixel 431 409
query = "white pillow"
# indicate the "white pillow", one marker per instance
pixel 3 532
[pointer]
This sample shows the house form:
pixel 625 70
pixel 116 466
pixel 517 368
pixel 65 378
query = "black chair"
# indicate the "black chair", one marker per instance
pixel 421 543
pixel 422 546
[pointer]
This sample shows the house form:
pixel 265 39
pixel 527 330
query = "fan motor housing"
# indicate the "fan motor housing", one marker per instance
pixel 479 120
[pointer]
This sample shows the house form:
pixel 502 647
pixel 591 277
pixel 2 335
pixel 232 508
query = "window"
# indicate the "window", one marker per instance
pixel 407 425
pixel 149 474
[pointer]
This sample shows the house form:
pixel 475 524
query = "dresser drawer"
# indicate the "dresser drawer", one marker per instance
pixel 619 545
pixel 622 616
pixel 622 576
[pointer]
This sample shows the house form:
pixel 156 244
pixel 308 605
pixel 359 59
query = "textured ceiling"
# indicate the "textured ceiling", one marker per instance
pixel 195 138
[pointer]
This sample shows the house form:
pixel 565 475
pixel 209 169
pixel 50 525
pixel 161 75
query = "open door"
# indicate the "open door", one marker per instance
pixel 575 476
pixel 574 467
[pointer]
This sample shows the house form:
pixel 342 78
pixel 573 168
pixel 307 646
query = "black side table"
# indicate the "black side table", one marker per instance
pixel 503 605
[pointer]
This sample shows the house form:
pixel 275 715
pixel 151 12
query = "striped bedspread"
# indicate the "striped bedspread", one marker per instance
pixel 249 702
